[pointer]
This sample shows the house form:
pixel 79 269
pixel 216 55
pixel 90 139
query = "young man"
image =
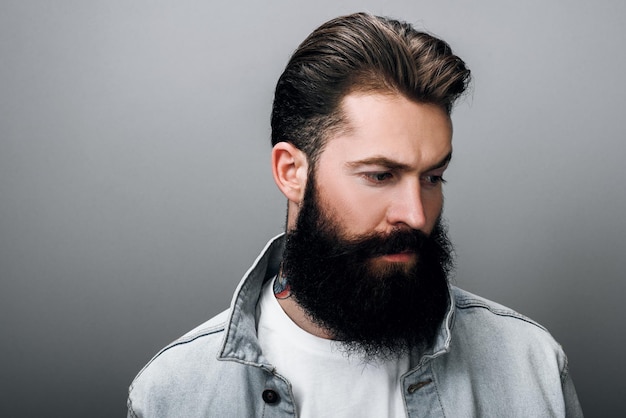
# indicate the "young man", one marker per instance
pixel 351 313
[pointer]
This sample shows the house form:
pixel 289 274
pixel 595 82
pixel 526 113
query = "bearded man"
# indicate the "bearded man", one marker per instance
pixel 350 313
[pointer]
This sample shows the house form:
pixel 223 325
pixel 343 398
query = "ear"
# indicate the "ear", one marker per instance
pixel 290 168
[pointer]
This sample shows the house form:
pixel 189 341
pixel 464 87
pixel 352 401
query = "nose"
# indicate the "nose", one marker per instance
pixel 407 209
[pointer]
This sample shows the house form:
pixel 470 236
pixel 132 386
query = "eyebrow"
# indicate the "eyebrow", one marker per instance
pixel 445 161
pixel 395 165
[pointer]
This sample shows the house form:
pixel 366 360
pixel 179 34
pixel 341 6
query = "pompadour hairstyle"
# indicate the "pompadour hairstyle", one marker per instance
pixel 359 53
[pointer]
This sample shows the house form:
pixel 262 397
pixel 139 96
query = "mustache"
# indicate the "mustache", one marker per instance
pixel 377 244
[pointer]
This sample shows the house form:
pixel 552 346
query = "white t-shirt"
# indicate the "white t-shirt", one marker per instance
pixel 325 381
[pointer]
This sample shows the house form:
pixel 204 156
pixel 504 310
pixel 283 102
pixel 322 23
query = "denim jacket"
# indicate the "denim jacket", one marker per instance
pixel 488 361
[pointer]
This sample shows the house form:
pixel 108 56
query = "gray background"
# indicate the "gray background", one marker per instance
pixel 135 186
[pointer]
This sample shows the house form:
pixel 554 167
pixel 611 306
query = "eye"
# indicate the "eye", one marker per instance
pixel 379 177
pixel 433 180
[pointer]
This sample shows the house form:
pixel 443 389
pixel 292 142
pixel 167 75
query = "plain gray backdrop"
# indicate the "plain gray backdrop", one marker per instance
pixel 135 186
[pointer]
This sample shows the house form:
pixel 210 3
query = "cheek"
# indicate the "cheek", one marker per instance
pixel 433 202
pixel 358 211
pixel 433 206
pixel 365 215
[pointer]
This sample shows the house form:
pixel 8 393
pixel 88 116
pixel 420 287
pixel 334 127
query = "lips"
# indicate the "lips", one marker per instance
pixel 403 257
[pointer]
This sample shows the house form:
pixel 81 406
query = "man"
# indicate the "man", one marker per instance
pixel 350 314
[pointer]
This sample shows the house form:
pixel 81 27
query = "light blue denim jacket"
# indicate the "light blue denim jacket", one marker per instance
pixel 488 361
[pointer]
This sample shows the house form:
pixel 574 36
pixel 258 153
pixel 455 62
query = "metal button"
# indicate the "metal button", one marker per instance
pixel 270 396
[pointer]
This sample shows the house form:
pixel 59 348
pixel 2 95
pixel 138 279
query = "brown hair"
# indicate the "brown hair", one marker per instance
pixel 359 52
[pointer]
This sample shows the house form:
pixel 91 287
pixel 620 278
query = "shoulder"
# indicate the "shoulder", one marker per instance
pixel 491 328
pixel 214 327
pixel 179 363
pixel 467 304
pixel 498 359
pixel 189 378
pixel 198 341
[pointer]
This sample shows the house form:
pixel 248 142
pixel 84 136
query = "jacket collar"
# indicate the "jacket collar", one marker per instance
pixel 240 341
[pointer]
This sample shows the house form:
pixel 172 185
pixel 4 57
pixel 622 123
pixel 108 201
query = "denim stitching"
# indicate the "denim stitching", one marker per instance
pixel 468 303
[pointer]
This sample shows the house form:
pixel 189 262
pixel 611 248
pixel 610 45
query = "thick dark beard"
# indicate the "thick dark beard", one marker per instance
pixel 378 313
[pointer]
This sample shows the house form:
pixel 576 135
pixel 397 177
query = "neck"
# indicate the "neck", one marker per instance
pixel 301 319
pixel 282 293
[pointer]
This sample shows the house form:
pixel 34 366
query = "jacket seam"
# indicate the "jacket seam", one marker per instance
pixel 131 411
pixel 565 371
pixel 466 303
pixel 181 341
pixel 435 381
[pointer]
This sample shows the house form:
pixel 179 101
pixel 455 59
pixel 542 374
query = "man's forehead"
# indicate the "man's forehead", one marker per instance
pixel 349 101
pixel 379 126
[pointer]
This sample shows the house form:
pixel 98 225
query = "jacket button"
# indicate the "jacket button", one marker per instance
pixel 417 386
pixel 270 396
